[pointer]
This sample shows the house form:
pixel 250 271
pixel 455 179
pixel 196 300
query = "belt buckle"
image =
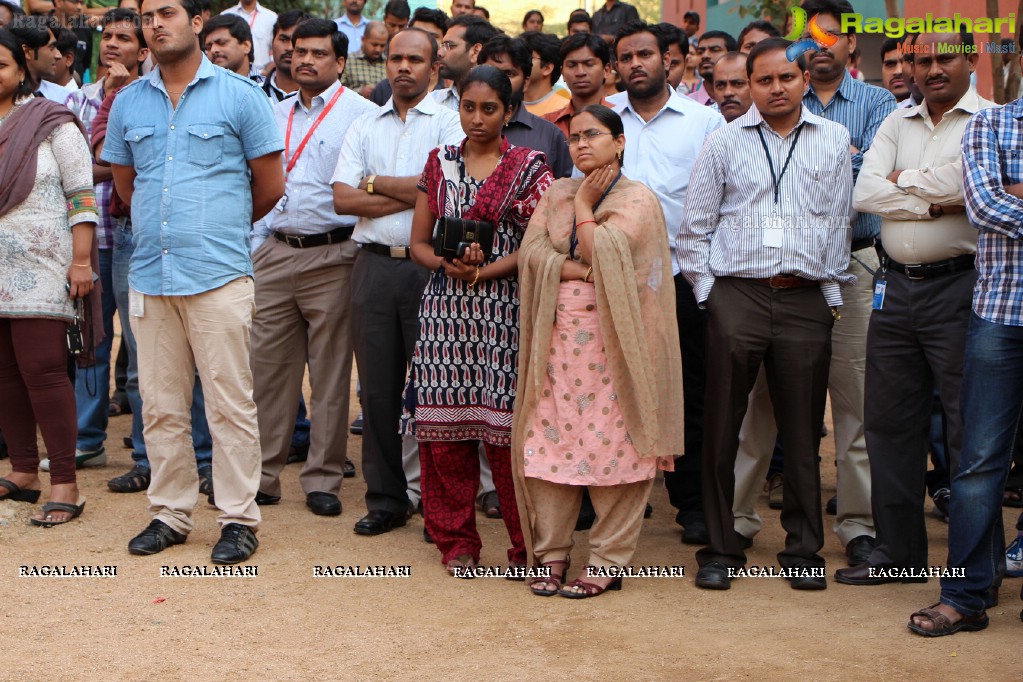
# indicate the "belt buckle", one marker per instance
pixel 399 252
pixel 909 276
pixel 294 241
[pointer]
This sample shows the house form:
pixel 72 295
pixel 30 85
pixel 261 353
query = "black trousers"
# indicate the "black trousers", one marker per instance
pixel 788 331
pixel 386 293
pixel 683 484
pixel 914 344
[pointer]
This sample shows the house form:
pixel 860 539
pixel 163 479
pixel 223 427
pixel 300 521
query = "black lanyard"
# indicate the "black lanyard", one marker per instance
pixel 573 240
pixel 770 164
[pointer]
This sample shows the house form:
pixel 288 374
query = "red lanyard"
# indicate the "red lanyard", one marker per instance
pixel 312 128
pixel 252 21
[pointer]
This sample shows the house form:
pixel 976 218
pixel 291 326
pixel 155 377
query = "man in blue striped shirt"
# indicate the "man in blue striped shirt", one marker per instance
pixel 861 108
pixel 992 391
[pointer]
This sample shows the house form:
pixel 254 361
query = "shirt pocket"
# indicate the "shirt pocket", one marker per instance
pixel 816 189
pixel 143 146
pixel 205 144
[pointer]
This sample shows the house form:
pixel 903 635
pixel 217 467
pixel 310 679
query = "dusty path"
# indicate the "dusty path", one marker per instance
pixel 286 624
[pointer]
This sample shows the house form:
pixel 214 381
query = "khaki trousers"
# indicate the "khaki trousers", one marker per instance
pixel 175 335
pixel 615 533
pixel 303 315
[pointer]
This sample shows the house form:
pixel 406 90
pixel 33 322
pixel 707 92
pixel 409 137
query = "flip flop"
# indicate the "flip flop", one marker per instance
pixel 17 493
pixel 74 509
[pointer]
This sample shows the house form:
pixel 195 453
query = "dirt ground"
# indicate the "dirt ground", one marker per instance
pixel 285 624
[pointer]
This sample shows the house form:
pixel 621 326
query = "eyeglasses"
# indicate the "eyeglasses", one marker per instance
pixel 588 134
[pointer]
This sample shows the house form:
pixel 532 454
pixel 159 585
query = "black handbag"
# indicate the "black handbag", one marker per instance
pixel 453 236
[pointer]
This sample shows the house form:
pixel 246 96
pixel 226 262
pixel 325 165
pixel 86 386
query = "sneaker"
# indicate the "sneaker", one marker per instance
pixel 83 459
pixel 157 537
pixel 135 481
pixel 237 543
pixel 206 479
pixel 1014 558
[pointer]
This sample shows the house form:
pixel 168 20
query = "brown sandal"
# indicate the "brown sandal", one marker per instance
pixel 941 625
pixel 588 589
pixel 552 579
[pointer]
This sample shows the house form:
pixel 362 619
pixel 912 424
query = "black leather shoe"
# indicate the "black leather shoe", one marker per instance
pixel 809 582
pixel 237 543
pixel 262 499
pixel 745 541
pixel 713 576
pixel 379 521
pixel 356 426
pixel 695 532
pixel 426 536
pixel 869 574
pixel 859 548
pixel 206 479
pixel 157 537
pixel 832 506
pixel 323 504
pixel 348 470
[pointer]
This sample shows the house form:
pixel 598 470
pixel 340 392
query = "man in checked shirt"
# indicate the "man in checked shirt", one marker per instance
pixel 765 244
pixel 992 391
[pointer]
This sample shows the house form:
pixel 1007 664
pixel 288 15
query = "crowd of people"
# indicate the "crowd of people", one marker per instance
pixel 562 266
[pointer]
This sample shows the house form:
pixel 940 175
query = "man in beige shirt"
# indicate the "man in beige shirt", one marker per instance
pixel 912 177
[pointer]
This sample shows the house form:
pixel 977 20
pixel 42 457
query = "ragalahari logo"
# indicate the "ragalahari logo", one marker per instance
pixel 820 39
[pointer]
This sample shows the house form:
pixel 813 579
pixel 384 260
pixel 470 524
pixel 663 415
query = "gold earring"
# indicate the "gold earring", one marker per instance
pixel 621 158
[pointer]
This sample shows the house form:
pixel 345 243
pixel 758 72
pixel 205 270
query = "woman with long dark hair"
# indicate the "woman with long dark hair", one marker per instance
pixel 466 356
pixel 47 220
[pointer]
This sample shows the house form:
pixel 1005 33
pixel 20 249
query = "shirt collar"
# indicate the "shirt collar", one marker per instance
pixel 968 103
pixel 522 117
pixel 427 106
pixel 674 103
pixel 320 99
pixel 1015 108
pixel 345 20
pixel 241 8
pixel 847 88
pixel 753 118
pixel 205 70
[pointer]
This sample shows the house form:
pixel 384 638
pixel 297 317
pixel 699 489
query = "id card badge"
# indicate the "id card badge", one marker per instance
pixel 879 294
pixel 136 303
pixel 774 232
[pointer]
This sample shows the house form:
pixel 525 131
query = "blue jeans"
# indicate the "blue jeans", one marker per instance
pixel 92 384
pixel 201 439
pixel 991 398
pixel 300 437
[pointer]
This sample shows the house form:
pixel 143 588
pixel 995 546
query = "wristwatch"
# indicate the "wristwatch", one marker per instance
pixel 369 183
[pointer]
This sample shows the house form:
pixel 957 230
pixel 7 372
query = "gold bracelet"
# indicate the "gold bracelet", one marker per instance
pixel 589 273
pixel 475 279
pixel 82 265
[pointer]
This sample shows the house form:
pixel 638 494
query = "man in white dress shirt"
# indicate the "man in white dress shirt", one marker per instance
pixel 664 134
pixel 303 273
pixel 382 159
pixel 261 22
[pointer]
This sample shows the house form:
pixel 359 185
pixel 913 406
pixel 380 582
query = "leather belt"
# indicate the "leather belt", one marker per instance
pixel 860 244
pixel 403 252
pixel 927 270
pixel 787 282
pixel 305 241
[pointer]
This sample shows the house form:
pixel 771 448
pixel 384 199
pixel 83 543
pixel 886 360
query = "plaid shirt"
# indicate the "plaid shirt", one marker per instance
pixel 86 102
pixel 993 159
pixel 360 72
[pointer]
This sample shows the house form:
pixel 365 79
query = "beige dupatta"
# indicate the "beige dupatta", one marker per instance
pixel 636 306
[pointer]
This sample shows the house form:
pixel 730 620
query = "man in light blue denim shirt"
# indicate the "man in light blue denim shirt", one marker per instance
pixel 196 152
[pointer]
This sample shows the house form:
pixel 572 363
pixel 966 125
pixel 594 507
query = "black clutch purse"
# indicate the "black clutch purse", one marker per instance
pixel 454 235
